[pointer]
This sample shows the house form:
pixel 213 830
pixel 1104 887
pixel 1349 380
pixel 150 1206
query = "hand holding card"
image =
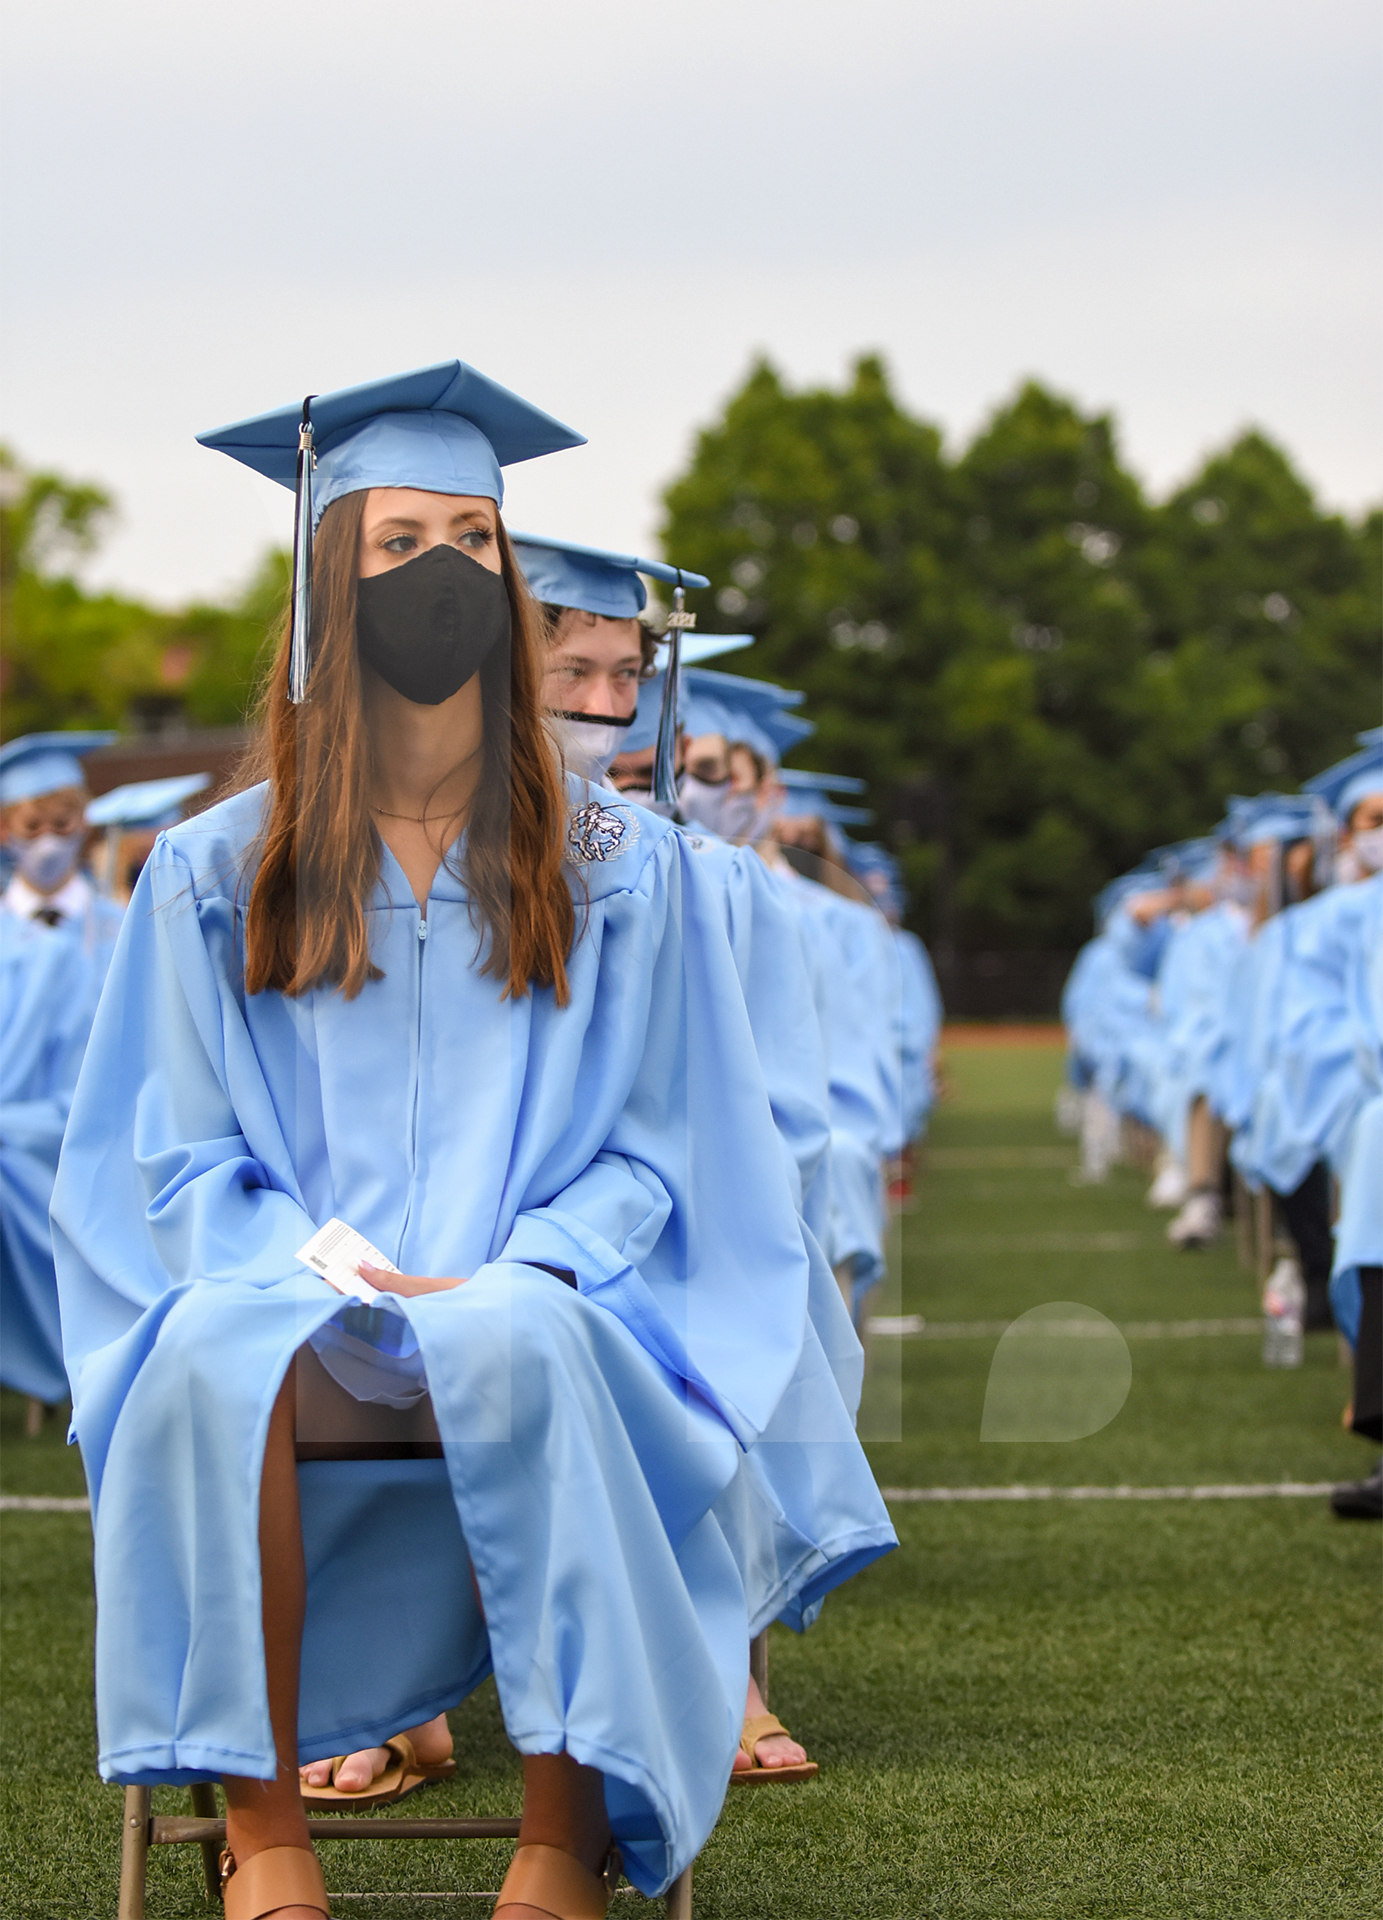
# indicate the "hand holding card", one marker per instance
pixel 336 1254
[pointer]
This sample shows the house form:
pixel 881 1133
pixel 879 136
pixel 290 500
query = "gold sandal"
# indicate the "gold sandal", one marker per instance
pixel 758 1727
pixel 406 1775
pixel 277 1877
pixel 556 1883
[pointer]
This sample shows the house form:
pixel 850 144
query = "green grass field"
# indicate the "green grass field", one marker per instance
pixel 1030 1710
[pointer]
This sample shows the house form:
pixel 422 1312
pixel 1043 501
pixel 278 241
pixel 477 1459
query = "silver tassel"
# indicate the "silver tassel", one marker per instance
pixel 665 753
pixel 299 658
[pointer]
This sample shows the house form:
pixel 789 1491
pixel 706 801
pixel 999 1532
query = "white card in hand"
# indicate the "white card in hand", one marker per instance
pixel 336 1251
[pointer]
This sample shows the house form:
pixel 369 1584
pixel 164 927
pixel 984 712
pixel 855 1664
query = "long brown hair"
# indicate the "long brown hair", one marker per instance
pixel 319 853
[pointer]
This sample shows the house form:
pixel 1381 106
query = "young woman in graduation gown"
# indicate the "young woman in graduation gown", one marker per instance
pixel 410 982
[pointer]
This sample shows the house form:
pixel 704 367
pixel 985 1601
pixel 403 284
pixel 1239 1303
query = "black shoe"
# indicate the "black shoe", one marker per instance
pixel 1360 1499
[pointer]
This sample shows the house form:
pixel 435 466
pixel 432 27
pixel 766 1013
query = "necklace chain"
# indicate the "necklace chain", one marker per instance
pixel 414 819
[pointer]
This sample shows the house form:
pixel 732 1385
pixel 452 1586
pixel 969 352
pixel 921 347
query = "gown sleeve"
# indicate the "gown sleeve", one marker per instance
pixel 188 1178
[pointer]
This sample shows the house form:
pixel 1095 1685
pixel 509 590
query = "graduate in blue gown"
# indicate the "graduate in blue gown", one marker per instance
pixel 57 933
pixel 43 800
pixel 530 1082
pixel 47 998
pixel 807 1505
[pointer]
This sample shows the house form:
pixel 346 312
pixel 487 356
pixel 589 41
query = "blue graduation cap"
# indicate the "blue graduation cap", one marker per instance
pixel 697 647
pixel 810 795
pixel 753 712
pixel 565 574
pixel 444 429
pixel 42 763
pixel 1182 860
pixel 1344 785
pixel 146 803
pixel 880 872
pixel 750 711
pixel 822 782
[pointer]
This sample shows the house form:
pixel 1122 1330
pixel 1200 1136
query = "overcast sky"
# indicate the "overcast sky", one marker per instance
pixel 1165 207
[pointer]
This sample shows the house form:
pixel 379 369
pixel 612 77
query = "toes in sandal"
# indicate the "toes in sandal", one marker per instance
pixel 405 1775
pixel 277 1877
pixel 556 1883
pixel 757 1727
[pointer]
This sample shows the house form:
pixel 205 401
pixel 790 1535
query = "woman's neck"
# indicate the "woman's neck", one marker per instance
pixel 425 760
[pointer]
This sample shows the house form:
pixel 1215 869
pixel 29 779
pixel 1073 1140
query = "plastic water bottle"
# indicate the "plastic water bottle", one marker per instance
pixel 1284 1313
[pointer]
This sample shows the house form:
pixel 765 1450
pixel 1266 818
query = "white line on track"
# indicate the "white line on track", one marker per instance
pixel 909 1496
pixel 41 1503
pixel 912 1326
pixel 1273 1490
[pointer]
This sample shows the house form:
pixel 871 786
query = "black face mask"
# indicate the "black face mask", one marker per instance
pixel 427 627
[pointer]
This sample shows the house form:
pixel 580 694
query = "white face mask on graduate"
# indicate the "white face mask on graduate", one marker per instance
pixel 718 808
pixel 589 741
pixel 1367 848
pixel 48 859
pixel 1242 888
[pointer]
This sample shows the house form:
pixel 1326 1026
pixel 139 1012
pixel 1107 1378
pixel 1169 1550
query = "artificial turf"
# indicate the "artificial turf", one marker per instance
pixel 1104 1710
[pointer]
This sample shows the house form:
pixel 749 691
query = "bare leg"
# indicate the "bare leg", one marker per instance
pixel 269 1813
pixel 775 1749
pixel 1205 1147
pixel 563 1806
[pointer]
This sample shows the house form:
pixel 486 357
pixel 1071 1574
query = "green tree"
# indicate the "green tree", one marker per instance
pixel 1040 672
pixel 73 658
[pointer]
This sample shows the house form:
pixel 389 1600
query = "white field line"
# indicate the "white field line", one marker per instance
pixel 1057 1242
pixel 41 1503
pixel 913 1326
pixel 1274 1490
pixel 995 1159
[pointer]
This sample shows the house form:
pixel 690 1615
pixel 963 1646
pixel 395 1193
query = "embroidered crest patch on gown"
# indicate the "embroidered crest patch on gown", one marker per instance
pixel 588 1432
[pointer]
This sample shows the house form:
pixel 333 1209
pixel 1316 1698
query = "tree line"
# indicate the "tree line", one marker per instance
pixel 1039 671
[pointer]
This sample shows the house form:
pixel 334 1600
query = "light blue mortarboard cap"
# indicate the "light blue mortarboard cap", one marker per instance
pixel 146 803
pixel 752 711
pixel 444 429
pixel 565 574
pixel 1370 781
pixel 1344 785
pixel 42 763
pixel 697 647
pixel 1269 817
pixel 1351 780
pixel 810 795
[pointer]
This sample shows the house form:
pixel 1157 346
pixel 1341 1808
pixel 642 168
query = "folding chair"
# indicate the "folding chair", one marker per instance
pixel 330 1426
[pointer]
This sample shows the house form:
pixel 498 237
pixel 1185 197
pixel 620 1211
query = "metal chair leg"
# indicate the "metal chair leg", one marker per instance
pixel 134 1853
pixel 679 1896
pixel 758 1663
pixel 204 1804
pixel 1263 1233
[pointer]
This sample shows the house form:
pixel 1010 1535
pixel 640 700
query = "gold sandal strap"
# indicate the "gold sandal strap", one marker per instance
pixel 557 1883
pixel 757 1727
pixel 277 1877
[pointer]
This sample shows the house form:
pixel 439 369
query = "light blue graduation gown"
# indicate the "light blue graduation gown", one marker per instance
pixel 1359 1230
pixel 803 1510
pixel 1194 982
pixel 1110 1012
pixel 919 1016
pixel 1310 1092
pixel 47 997
pixel 856 982
pixel 588 1433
